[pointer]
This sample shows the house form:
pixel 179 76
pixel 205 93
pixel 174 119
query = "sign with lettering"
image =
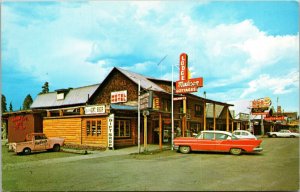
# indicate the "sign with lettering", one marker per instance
pixel 146 100
pixel 183 67
pixel 19 122
pixel 118 97
pixel 110 126
pixel 179 98
pixel 95 109
pixel 262 103
pixel 279 118
pixel 185 84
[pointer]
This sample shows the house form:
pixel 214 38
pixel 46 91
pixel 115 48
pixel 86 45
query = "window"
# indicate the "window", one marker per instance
pixel 198 110
pixel 208 136
pixel 122 128
pixel 220 136
pixel 98 128
pixel 93 128
pixel 88 127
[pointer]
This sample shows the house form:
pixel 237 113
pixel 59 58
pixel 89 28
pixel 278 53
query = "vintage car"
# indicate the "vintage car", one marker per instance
pixel 37 142
pixel 283 133
pixel 220 141
pixel 243 134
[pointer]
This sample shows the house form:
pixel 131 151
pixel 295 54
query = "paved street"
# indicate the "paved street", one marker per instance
pixel 276 168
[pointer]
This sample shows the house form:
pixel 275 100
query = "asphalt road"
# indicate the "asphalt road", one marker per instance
pixel 276 168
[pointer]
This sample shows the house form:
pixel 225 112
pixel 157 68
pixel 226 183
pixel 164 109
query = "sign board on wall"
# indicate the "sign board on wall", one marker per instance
pixel 260 106
pixel 110 126
pixel 118 96
pixel 95 109
pixel 186 85
pixel 146 100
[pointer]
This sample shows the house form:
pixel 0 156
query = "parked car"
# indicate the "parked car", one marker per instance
pixel 243 134
pixel 283 133
pixel 221 141
pixel 37 142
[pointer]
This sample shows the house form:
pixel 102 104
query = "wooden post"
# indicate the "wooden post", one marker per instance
pixel 160 131
pixel 145 133
pixel 184 118
pixel 61 113
pixel 204 116
pixel 232 126
pixel 214 108
pixel 227 118
pixel 48 114
pixel 81 111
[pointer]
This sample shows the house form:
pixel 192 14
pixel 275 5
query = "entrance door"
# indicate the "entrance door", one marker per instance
pixel 40 142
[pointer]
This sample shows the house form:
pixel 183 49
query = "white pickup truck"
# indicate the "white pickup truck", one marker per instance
pixel 283 133
pixel 37 142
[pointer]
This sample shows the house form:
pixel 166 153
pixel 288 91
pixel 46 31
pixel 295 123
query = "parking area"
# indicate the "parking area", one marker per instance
pixel 276 168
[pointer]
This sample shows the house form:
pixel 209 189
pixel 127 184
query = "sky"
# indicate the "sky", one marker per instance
pixel 244 50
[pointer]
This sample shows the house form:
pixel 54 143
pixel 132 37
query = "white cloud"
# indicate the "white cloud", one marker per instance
pixel 277 85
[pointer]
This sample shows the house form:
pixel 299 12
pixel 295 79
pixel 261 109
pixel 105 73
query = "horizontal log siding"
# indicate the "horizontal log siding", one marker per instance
pixel 95 140
pixel 68 128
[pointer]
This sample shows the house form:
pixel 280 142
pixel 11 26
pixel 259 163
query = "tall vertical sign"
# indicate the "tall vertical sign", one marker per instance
pixel 110 126
pixel 185 84
pixel 183 68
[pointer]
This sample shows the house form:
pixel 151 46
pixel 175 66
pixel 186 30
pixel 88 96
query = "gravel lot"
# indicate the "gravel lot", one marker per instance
pixel 276 168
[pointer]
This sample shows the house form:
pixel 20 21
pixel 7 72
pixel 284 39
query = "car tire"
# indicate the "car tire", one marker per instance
pixel 235 151
pixel 184 149
pixel 274 135
pixel 292 136
pixel 26 151
pixel 56 148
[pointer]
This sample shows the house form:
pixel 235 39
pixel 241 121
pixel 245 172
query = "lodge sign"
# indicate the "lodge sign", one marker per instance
pixel 186 85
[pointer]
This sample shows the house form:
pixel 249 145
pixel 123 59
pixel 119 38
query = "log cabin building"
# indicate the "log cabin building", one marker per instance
pixel 106 114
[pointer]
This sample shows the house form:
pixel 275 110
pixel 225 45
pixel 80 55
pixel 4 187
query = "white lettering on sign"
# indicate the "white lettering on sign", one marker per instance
pixel 118 97
pixel 95 109
pixel 183 69
pixel 110 126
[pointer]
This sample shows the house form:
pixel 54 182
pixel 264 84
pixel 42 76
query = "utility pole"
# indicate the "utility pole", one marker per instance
pixel 139 117
pixel 172 106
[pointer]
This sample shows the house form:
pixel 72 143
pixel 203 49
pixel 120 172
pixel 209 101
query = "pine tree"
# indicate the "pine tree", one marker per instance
pixel 10 107
pixel 45 88
pixel 27 102
pixel 3 104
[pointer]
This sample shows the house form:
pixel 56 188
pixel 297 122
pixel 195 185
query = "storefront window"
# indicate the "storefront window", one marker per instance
pixel 93 127
pixel 198 110
pixel 88 127
pixel 122 128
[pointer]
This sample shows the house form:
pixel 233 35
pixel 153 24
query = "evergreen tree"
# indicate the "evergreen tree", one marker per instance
pixel 45 88
pixel 3 104
pixel 27 102
pixel 10 107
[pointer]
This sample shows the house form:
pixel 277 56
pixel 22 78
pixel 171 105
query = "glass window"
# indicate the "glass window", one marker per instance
pixel 93 127
pixel 198 111
pixel 98 128
pixel 220 136
pixel 122 128
pixel 88 127
pixel 208 136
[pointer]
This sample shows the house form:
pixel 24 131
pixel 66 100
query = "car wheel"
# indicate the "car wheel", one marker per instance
pixel 235 151
pixel 184 149
pixel 274 135
pixel 292 136
pixel 56 148
pixel 26 151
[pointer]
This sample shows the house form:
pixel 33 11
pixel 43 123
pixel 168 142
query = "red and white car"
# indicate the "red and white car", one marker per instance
pixel 221 141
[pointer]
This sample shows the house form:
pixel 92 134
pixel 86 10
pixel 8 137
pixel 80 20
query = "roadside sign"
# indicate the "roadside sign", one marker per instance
pixel 179 98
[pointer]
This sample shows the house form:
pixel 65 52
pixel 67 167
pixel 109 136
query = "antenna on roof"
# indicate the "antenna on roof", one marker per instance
pixel 161 60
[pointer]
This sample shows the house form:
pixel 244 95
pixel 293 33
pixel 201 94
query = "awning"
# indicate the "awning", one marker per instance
pixel 123 107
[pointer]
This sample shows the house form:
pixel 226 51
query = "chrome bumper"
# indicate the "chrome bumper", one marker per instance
pixel 257 149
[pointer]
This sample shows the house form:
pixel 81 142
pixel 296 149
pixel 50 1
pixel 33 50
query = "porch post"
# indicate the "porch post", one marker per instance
pixel 204 116
pixel 214 108
pixel 160 132
pixel 227 118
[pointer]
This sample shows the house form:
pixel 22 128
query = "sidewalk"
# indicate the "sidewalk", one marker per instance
pixel 120 151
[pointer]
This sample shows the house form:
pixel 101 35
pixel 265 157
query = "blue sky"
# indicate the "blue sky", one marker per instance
pixel 244 50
